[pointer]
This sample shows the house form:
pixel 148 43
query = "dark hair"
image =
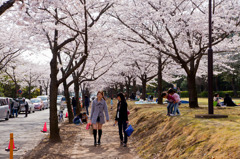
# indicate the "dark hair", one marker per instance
pixel 226 95
pixel 163 94
pixel 216 94
pixel 101 92
pixel 170 91
pixel 122 97
pixel 111 97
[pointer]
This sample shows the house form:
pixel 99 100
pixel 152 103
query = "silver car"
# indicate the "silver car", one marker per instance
pixel 4 109
pixel 31 108
pixel 45 101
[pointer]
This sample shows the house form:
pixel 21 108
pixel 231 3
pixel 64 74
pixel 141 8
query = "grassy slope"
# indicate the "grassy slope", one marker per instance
pixel 159 136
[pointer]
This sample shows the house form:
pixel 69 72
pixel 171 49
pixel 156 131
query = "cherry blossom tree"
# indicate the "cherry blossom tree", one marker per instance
pixel 179 30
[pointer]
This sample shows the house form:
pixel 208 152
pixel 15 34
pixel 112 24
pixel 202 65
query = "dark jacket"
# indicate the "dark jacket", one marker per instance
pixel 87 101
pixel 122 109
pixel 228 101
pixel 74 102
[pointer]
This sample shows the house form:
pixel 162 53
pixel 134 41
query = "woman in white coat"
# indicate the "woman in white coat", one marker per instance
pixel 99 107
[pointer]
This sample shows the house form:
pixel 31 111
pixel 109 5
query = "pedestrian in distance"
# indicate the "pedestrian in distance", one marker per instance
pixel 171 101
pixel 74 104
pixel 111 103
pixel 97 119
pixel 15 108
pixel 122 118
pixel 176 103
pixel 26 107
pixel 87 101
pixel 228 101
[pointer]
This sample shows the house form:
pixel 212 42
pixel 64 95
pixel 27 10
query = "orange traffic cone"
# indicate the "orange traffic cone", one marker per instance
pixel 44 128
pixel 14 148
pixel 66 115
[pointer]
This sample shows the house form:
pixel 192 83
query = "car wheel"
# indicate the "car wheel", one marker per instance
pixel 7 117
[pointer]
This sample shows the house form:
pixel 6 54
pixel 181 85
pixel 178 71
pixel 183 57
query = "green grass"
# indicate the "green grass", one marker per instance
pixel 159 136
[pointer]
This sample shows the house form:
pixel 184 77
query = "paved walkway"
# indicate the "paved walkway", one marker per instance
pixel 109 148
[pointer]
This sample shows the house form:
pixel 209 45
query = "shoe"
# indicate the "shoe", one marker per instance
pixel 95 144
pixel 172 115
pixel 99 143
pixel 124 145
pixel 121 143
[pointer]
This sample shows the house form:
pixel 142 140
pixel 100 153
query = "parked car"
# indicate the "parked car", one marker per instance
pixel 21 105
pixel 4 109
pixel 45 101
pixel 12 103
pixel 31 108
pixel 38 103
pixel 59 99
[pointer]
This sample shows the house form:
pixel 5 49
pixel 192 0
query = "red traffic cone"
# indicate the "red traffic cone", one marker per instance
pixel 14 148
pixel 44 128
pixel 66 115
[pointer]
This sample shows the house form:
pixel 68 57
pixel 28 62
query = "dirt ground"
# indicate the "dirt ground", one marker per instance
pixel 77 143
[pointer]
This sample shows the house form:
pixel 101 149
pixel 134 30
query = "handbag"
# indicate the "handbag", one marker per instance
pixel 129 130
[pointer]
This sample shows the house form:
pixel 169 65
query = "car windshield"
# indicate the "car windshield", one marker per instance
pixel 43 98
pixel 35 100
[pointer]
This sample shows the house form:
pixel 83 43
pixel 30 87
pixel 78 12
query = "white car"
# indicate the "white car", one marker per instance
pixel 31 108
pixel 45 100
pixel 4 109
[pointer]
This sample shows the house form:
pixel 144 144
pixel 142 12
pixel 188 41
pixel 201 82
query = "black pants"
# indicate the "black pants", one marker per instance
pixel 26 111
pixel 122 126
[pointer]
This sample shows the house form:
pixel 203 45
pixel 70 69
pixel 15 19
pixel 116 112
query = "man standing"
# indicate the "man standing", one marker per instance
pixel 26 107
pixel 87 103
pixel 74 104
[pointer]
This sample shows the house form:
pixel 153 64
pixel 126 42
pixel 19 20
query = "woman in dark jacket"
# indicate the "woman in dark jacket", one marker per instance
pixel 122 118
pixel 228 101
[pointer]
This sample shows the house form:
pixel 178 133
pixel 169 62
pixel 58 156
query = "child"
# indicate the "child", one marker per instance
pixel 171 100
pixel 217 99
pixel 177 101
pixel 111 103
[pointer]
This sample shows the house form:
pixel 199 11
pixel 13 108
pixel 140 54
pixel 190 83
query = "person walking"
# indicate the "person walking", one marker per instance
pixel 26 107
pixel 74 104
pixel 99 106
pixel 87 104
pixel 15 108
pixel 122 118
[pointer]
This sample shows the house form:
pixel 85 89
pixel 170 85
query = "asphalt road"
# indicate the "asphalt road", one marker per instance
pixel 26 132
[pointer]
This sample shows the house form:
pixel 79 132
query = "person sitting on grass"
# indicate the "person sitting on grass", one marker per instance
pixel 217 99
pixel 228 101
pixel 177 102
pixel 171 100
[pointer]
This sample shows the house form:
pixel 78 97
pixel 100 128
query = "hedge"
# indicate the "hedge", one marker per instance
pixel 205 93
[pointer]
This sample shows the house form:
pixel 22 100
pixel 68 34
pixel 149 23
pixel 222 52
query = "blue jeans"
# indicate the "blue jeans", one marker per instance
pixel 87 109
pixel 122 126
pixel 15 111
pixel 74 111
pixel 176 110
pixel 170 108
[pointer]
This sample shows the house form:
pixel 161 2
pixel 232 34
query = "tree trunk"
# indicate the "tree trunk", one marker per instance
pixel 121 88
pixel 76 90
pixel 192 91
pixel 54 130
pixel 144 85
pixel 29 91
pixel 128 82
pixel 67 97
pixel 216 83
pixel 134 90
pixel 234 87
pixel 159 87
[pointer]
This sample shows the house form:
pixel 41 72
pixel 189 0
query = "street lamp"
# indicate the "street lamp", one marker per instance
pixel 210 74
pixel 210 64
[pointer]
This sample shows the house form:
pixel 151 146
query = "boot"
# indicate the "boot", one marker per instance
pixel 99 136
pixel 95 136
